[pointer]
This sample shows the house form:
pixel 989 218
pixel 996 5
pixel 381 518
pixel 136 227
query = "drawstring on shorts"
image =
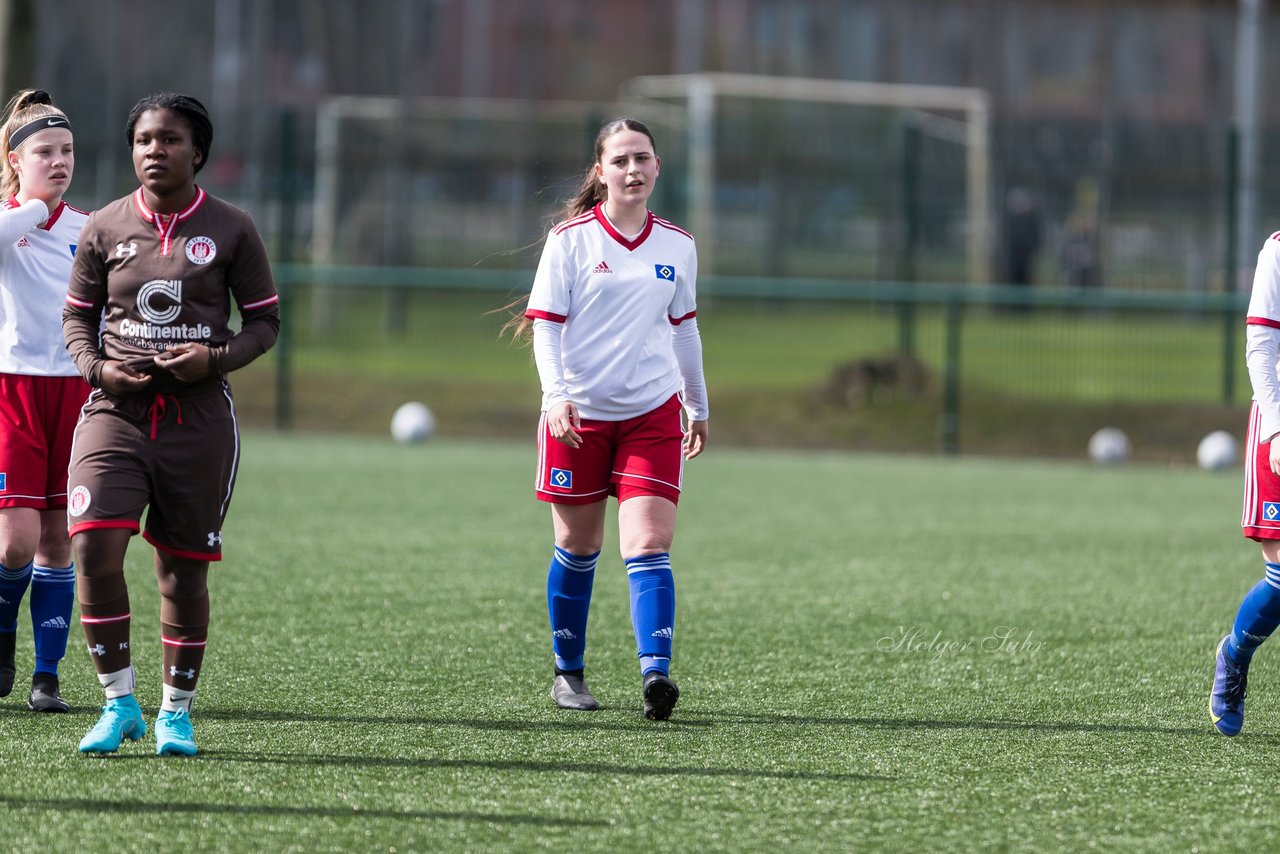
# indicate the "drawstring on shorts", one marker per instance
pixel 157 411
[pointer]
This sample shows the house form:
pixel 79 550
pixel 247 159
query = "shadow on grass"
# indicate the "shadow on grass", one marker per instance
pixel 700 719
pixel 605 719
pixel 326 760
pixel 704 719
pixel 925 724
pixel 91 805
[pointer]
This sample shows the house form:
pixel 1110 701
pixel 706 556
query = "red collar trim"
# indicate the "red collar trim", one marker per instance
pixel 151 216
pixel 617 235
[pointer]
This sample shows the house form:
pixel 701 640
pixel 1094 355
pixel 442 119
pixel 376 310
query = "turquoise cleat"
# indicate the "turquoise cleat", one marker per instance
pixel 1226 700
pixel 174 736
pixel 121 719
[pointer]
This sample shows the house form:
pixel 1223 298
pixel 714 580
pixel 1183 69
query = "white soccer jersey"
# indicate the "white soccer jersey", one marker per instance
pixel 616 300
pixel 35 265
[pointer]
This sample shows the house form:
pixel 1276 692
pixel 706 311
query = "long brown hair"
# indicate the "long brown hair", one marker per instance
pixel 591 192
pixel 26 106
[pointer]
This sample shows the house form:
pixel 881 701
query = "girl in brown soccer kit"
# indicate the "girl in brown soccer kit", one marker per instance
pixel 156 271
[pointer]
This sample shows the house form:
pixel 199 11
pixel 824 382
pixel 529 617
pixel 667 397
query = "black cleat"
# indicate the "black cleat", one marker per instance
pixel 660 695
pixel 7 670
pixel 44 696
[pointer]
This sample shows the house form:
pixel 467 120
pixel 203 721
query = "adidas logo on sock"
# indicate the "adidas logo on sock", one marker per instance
pixel 663 633
pixel 564 634
pixel 55 623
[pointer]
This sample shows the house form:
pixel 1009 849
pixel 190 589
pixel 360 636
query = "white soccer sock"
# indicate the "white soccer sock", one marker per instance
pixel 118 683
pixel 176 698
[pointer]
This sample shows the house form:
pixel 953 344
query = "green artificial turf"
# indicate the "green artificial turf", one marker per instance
pixel 908 653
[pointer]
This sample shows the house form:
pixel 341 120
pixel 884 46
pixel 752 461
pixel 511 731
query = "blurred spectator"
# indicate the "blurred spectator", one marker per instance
pixel 1021 237
pixel 1081 267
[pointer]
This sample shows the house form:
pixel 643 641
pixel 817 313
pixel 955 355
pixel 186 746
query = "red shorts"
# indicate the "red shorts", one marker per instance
pixel 37 420
pixel 638 456
pixel 1261 517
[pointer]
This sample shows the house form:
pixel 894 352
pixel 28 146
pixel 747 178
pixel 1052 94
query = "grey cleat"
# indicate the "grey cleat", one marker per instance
pixel 44 696
pixel 571 692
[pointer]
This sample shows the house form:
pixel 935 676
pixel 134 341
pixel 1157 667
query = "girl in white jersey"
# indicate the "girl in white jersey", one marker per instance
pixel 1259 613
pixel 41 391
pixel 616 344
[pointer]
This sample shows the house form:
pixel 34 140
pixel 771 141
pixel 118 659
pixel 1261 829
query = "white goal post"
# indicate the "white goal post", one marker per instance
pixel 700 92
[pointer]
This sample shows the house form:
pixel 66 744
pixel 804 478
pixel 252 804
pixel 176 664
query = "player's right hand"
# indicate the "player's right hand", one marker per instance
pixel 1275 457
pixel 563 422
pixel 119 378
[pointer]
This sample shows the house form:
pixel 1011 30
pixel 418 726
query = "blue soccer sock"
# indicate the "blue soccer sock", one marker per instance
pixel 13 586
pixel 653 609
pixel 53 594
pixel 569 580
pixel 1258 617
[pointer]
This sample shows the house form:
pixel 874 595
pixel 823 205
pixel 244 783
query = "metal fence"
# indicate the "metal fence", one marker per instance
pixel 956 367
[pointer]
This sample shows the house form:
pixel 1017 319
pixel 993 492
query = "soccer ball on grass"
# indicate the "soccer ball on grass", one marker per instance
pixel 412 422
pixel 1109 446
pixel 1217 451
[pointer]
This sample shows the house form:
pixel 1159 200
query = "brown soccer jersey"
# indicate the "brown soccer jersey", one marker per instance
pixel 143 282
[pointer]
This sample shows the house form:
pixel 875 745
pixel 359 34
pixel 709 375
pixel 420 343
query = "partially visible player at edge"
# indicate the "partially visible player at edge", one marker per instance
pixel 618 353
pixel 158 270
pixel 41 391
pixel 1259 613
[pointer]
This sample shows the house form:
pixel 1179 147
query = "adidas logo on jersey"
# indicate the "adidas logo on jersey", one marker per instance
pixel 55 623
pixel 602 267
pixel 23 242
pixel 663 633
pixel 564 634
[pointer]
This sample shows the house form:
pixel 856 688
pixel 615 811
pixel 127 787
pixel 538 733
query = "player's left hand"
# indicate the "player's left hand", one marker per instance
pixel 1274 458
pixel 187 362
pixel 695 439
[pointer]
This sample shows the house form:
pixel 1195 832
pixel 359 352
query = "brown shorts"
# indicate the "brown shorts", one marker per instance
pixel 177 457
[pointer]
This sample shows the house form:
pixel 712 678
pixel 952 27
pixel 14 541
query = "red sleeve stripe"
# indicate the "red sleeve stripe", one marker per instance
pixel 577 220
pixel 672 226
pixel 539 314
pixel 676 321
pixel 1262 321
pixel 250 306
pixel 79 303
pixel 1276 236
